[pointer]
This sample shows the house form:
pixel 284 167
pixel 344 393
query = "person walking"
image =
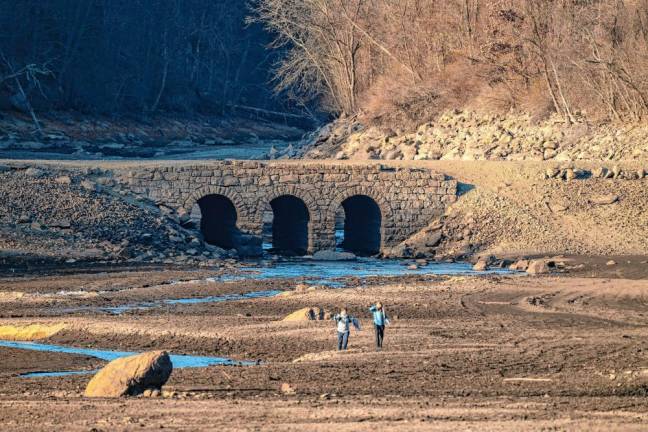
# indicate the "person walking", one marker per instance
pixel 344 321
pixel 380 320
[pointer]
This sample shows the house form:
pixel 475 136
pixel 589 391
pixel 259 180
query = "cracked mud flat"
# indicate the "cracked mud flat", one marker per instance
pixel 465 352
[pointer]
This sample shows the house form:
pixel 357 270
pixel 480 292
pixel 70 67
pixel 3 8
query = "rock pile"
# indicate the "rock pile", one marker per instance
pixel 569 172
pixel 84 214
pixel 465 135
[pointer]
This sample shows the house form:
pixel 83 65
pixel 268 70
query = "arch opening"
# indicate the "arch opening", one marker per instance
pixel 288 227
pixel 218 218
pixel 358 225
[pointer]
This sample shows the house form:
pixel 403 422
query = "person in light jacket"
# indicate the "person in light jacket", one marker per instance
pixel 344 321
pixel 380 320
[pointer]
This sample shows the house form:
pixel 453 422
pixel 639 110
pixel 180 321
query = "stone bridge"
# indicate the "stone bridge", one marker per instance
pixel 299 206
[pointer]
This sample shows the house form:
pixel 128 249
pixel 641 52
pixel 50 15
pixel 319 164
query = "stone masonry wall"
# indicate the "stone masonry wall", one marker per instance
pixel 408 198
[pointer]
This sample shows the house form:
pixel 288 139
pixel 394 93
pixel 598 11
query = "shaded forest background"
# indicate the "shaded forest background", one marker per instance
pixel 391 61
pixel 116 56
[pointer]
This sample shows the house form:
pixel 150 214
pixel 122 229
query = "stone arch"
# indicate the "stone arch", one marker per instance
pixel 244 220
pixel 385 208
pixel 290 190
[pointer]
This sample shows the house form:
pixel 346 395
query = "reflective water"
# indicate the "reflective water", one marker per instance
pixel 322 272
pixel 325 273
pixel 179 361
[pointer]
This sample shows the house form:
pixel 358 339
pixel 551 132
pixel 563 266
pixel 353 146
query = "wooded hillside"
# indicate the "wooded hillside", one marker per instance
pixel 113 56
pixel 400 61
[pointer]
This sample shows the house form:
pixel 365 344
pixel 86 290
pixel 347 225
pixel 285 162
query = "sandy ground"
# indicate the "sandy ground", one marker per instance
pixel 508 353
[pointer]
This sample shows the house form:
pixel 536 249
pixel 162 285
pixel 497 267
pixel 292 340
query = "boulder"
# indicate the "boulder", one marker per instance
pixel 552 172
pixel 538 267
pixel 616 171
pixel 60 223
pixel 131 376
pixel 287 389
pixel 309 314
pixel 520 265
pixel 89 185
pixel 481 265
pixel 34 172
pixel 63 180
pixel 599 172
pixel 605 199
pixel 569 174
pixel 329 255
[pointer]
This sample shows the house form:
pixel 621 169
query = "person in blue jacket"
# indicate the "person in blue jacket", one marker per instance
pixel 380 320
pixel 344 321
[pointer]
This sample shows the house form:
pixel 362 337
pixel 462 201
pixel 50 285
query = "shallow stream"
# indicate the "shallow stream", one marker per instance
pixel 179 361
pixel 324 273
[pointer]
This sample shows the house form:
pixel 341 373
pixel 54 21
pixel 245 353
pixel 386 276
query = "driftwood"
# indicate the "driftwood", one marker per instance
pixel 30 71
pixel 270 112
pixel 289 118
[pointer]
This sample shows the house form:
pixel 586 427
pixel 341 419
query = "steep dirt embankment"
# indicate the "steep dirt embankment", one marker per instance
pixel 512 208
pixel 461 135
pixel 58 214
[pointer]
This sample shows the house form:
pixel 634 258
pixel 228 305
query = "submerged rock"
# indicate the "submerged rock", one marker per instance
pixel 131 376
pixel 328 255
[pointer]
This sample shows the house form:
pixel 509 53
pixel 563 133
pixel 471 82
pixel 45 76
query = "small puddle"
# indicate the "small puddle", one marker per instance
pixel 179 361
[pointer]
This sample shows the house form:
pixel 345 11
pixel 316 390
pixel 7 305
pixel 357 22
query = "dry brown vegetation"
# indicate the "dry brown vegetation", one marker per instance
pixel 405 60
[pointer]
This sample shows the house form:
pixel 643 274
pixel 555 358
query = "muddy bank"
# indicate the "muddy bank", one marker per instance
pixel 16 362
pixel 557 351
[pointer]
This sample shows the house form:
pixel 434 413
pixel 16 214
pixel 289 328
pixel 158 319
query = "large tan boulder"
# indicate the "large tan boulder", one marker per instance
pixel 130 376
pixel 538 267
